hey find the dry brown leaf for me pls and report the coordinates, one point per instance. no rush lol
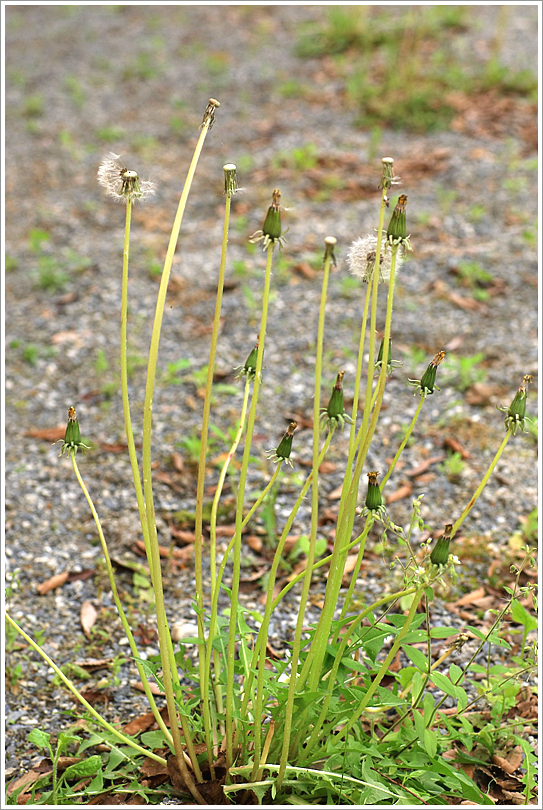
(424, 466)
(164, 551)
(254, 543)
(456, 447)
(154, 687)
(48, 434)
(89, 614)
(468, 598)
(141, 723)
(402, 492)
(52, 583)
(335, 495)
(510, 763)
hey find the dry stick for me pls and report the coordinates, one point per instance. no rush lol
(169, 667)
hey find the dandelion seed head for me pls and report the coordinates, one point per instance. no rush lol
(122, 184)
(361, 259)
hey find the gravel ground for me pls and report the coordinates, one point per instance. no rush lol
(84, 80)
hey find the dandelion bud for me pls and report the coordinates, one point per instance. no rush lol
(282, 453)
(516, 413)
(122, 184)
(391, 364)
(440, 552)
(72, 436)
(334, 413)
(271, 229)
(428, 383)
(397, 228)
(249, 368)
(374, 499)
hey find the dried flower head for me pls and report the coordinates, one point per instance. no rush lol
(329, 245)
(230, 179)
(209, 114)
(123, 184)
(388, 178)
(427, 384)
(361, 259)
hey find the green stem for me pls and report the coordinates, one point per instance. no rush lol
(339, 656)
(356, 390)
(404, 442)
(198, 545)
(118, 604)
(384, 667)
(169, 669)
(482, 485)
(239, 513)
(289, 708)
(122, 737)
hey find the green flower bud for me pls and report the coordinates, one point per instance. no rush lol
(428, 383)
(516, 412)
(397, 228)
(72, 436)
(249, 369)
(440, 552)
(391, 364)
(282, 453)
(334, 413)
(374, 499)
(270, 234)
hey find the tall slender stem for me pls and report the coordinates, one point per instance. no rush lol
(239, 513)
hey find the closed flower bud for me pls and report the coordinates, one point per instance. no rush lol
(72, 436)
(440, 552)
(282, 453)
(397, 228)
(334, 413)
(249, 368)
(516, 412)
(374, 499)
(428, 383)
(270, 234)
(391, 364)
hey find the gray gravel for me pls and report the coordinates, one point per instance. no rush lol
(89, 65)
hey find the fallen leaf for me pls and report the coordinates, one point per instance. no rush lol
(456, 447)
(402, 492)
(424, 466)
(52, 583)
(255, 543)
(48, 434)
(93, 664)
(89, 614)
(175, 553)
(154, 687)
(468, 598)
(510, 763)
(142, 723)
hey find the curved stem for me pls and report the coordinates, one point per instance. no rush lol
(118, 605)
(482, 485)
(122, 737)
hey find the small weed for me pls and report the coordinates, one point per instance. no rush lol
(453, 467)
(31, 354)
(78, 95)
(36, 238)
(33, 107)
(464, 370)
(109, 134)
(10, 263)
(472, 275)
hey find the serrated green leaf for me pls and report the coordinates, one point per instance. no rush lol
(81, 769)
(39, 738)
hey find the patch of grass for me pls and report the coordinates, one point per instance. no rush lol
(398, 65)
(33, 106)
(453, 467)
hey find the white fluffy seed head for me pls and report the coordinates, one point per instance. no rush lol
(361, 258)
